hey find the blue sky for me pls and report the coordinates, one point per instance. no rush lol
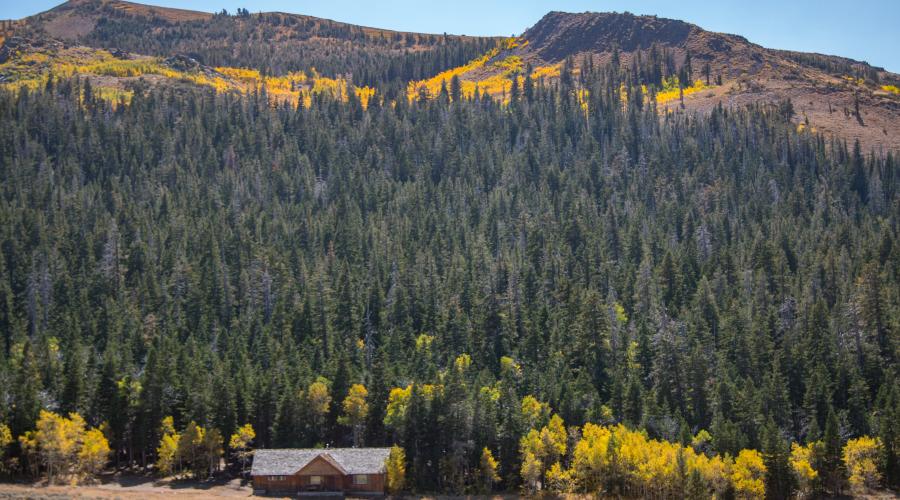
(862, 29)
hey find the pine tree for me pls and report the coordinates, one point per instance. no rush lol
(832, 465)
(776, 457)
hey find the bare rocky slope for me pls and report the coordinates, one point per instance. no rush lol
(826, 90)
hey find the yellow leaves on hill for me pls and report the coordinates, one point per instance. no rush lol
(242, 74)
(509, 64)
(291, 88)
(126, 68)
(364, 94)
(432, 86)
(672, 90)
(893, 89)
(513, 42)
(114, 95)
(506, 70)
(551, 71)
(33, 69)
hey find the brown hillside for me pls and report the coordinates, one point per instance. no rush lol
(272, 42)
(825, 90)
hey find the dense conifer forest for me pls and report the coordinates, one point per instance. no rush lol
(496, 284)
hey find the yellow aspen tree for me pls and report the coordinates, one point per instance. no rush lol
(861, 457)
(398, 402)
(534, 412)
(801, 463)
(189, 446)
(167, 426)
(395, 468)
(590, 457)
(748, 475)
(58, 440)
(167, 453)
(553, 440)
(560, 479)
(240, 444)
(212, 450)
(6, 439)
(531, 471)
(356, 409)
(487, 469)
(94, 452)
(462, 363)
(318, 397)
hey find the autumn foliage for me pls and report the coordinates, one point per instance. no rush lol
(196, 449)
(65, 448)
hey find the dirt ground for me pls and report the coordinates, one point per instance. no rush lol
(129, 487)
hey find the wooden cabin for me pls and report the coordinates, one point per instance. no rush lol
(358, 471)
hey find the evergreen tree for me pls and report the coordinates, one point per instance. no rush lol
(776, 457)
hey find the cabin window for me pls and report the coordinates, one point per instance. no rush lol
(315, 480)
(360, 479)
(276, 478)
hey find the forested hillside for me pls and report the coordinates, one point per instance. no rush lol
(222, 261)
(549, 284)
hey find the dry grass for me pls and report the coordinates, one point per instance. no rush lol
(167, 13)
(130, 487)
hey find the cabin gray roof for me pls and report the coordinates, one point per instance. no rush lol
(285, 462)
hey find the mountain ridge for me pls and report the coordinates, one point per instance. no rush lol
(836, 95)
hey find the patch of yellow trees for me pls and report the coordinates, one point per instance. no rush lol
(63, 447)
(194, 449)
(616, 460)
(32, 70)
